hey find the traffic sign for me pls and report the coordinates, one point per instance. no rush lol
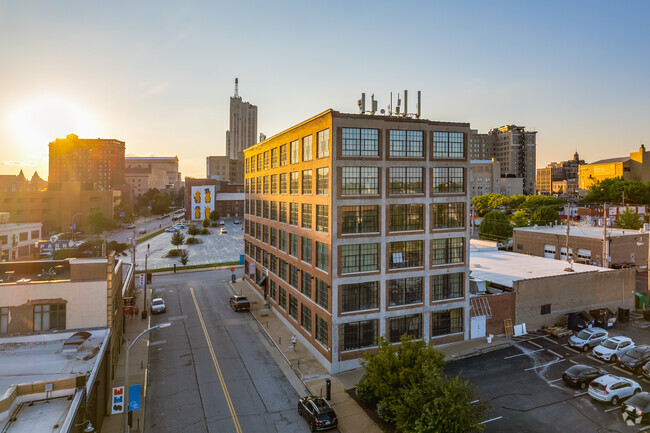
(232, 269)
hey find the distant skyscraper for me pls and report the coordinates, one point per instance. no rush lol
(243, 125)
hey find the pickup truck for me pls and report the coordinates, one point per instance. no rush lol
(238, 302)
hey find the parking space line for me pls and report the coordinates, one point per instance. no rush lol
(580, 394)
(574, 362)
(646, 380)
(612, 409)
(522, 354)
(555, 353)
(571, 348)
(593, 358)
(554, 380)
(544, 365)
(535, 344)
(548, 339)
(474, 402)
(620, 369)
(490, 420)
(645, 428)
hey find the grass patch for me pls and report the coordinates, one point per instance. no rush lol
(183, 268)
(149, 236)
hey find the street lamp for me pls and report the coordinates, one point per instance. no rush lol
(126, 371)
(146, 256)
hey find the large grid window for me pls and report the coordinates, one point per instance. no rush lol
(267, 160)
(322, 293)
(406, 180)
(258, 188)
(282, 269)
(294, 183)
(283, 155)
(359, 180)
(265, 209)
(448, 215)
(273, 290)
(306, 215)
(307, 148)
(405, 217)
(273, 266)
(305, 283)
(274, 157)
(447, 251)
(293, 276)
(322, 218)
(360, 142)
(293, 245)
(283, 183)
(359, 258)
(258, 231)
(405, 291)
(323, 140)
(322, 331)
(405, 254)
(359, 296)
(358, 335)
(295, 151)
(410, 325)
(258, 208)
(447, 322)
(306, 182)
(282, 217)
(448, 179)
(265, 234)
(248, 165)
(274, 237)
(305, 318)
(259, 162)
(293, 307)
(322, 181)
(274, 184)
(447, 286)
(49, 316)
(306, 250)
(408, 144)
(448, 145)
(274, 211)
(282, 298)
(293, 214)
(322, 256)
(282, 240)
(360, 219)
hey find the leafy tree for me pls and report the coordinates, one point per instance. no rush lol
(495, 226)
(513, 202)
(206, 222)
(545, 215)
(193, 230)
(183, 256)
(520, 218)
(629, 219)
(214, 215)
(178, 238)
(97, 223)
(615, 189)
(161, 203)
(533, 202)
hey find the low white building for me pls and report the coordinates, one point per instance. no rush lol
(18, 240)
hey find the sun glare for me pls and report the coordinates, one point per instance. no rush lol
(37, 122)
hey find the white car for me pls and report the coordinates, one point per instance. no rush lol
(158, 306)
(224, 230)
(612, 389)
(588, 338)
(612, 348)
(179, 226)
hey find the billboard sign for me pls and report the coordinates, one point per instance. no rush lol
(202, 201)
(117, 397)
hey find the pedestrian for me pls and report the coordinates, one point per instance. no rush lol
(294, 341)
(137, 311)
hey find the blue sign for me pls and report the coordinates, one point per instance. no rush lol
(241, 259)
(134, 397)
(122, 214)
(74, 226)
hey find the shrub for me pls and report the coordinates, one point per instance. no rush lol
(364, 394)
(204, 231)
(214, 224)
(193, 230)
(206, 222)
(192, 240)
(173, 252)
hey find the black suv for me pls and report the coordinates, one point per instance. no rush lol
(318, 413)
(634, 359)
(580, 375)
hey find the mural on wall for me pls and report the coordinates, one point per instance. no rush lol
(203, 196)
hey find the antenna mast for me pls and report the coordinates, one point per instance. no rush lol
(236, 87)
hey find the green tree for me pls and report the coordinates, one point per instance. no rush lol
(206, 222)
(214, 215)
(193, 230)
(545, 215)
(533, 202)
(520, 218)
(617, 190)
(97, 223)
(178, 238)
(488, 202)
(183, 256)
(495, 227)
(629, 219)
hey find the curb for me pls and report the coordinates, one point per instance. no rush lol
(452, 358)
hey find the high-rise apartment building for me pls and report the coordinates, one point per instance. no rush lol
(513, 147)
(97, 161)
(563, 174)
(143, 173)
(355, 227)
(243, 125)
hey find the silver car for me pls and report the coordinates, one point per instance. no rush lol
(613, 389)
(612, 348)
(588, 338)
(158, 306)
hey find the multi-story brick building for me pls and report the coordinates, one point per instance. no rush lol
(358, 224)
(559, 176)
(143, 173)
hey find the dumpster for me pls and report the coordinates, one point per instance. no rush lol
(579, 321)
(623, 314)
(604, 318)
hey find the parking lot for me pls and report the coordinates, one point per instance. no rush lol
(213, 248)
(523, 385)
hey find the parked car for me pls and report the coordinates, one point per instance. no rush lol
(612, 389)
(588, 338)
(179, 226)
(579, 321)
(171, 229)
(236, 222)
(580, 375)
(612, 348)
(130, 226)
(645, 370)
(160, 217)
(633, 359)
(238, 302)
(142, 231)
(224, 230)
(221, 222)
(604, 318)
(158, 306)
(637, 408)
(318, 413)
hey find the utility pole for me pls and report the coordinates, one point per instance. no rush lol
(568, 224)
(605, 265)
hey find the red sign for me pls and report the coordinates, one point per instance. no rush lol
(128, 310)
(232, 269)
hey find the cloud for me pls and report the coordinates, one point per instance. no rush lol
(18, 163)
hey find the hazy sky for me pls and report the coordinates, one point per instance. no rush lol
(158, 75)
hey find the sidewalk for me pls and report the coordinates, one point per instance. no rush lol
(138, 362)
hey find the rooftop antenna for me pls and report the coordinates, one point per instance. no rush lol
(418, 107)
(399, 102)
(406, 101)
(390, 107)
(373, 104)
(362, 103)
(236, 87)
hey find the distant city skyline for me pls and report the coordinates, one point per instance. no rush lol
(159, 75)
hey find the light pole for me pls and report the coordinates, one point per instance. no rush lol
(144, 309)
(126, 371)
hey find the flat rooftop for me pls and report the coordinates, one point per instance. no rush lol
(503, 267)
(580, 231)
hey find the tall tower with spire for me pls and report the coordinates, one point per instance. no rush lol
(243, 125)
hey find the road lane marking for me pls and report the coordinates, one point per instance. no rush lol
(522, 354)
(555, 353)
(155, 343)
(490, 420)
(545, 365)
(612, 409)
(233, 414)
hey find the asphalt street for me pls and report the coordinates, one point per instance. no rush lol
(212, 370)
